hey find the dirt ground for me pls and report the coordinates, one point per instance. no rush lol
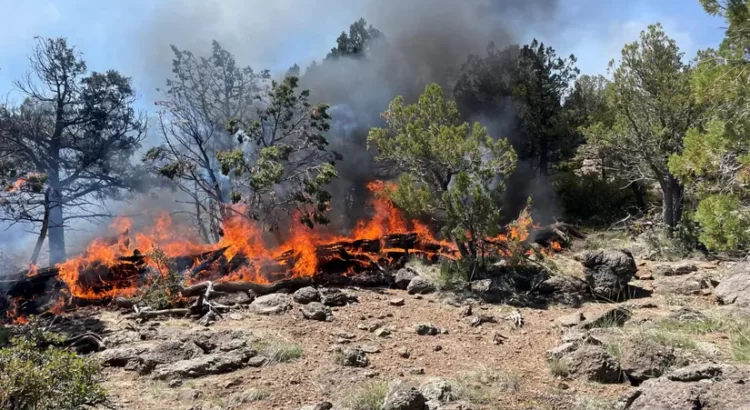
(465, 353)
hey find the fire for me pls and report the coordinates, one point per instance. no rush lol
(110, 267)
(17, 185)
(59, 306)
(14, 316)
(33, 271)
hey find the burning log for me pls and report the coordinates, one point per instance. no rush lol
(259, 289)
(559, 232)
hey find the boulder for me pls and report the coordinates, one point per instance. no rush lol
(420, 286)
(354, 358)
(612, 318)
(401, 396)
(571, 320)
(706, 387)
(326, 405)
(306, 295)
(316, 311)
(275, 303)
(643, 359)
(427, 329)
(678, 269)
(593, 363)
(335, 297)
(735, 287)
(566, 290)
(208, 364)
(403, 277)
(688, 285)
(438, 390)
(608, 272)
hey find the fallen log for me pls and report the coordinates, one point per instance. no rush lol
(150, 314)
(559, 232)
(257, 288)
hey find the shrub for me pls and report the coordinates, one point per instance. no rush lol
(163, 287)
(37, 375)
(589, 199)
(369, 396)
(279, 351)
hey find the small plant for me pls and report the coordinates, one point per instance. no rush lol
(5, 335)
(559, 367)
(594, 403)
(369, 396)
(483, 385)
(670, 339)
(254, 394)
(741, 345)
(279, 351)
(163, 287)
(34, 374)
(614, 349)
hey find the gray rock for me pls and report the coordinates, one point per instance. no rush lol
(612, 318)
(678, 269)
(571, 320)
(438, 390)
(593, 363)
(275, 303)
(335, 297)
(688, 285)
(396, 302)
(370, 348)
(122, 357)
(316, 311)
(217, 363)
(306, 295)
(643, 359)
(735, 287)
(608, 272)
(560, 351)
(404, 352)
(382, 332)
(427, 329)
(354, 358)
(401, 396)
(320, 406)
(256, 361)
(686, 315)
(566, 290)
(403, 277)
(726, 390)
(420, 286)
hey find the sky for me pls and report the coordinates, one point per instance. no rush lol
(121, 34)
(133, 36)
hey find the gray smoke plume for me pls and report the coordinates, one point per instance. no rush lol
(425, 41)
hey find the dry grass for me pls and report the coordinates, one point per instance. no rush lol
(484, 385)
(559, 367)
(278, 350)
(368, 396)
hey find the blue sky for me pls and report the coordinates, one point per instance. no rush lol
(122, 34)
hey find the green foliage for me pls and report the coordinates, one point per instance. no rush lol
(37, 375)
(654, 107)
(162, 290)
(725, 222)
(559, 367)
(593, 201)
(357, 42)
(283, 164)
(452, 171)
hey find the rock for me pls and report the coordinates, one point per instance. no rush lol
(644, 275)
(209, 364)
(735, 287)
(608, 272)
(335, 297)
(256, 361)
(612, 318)
(401, 396)
(320, 406)
(306, 295)
(316, 311)
(354, 358)
(403, 277)
(168, 352)
(643, 359)
(466, 311)
(688, 285)
(427, 329)
(478, 320)
(189, 394)
(560, 351)
(370, 348)
(404, 352)
(566, 290)
(696, 387)
(174, 383)
(420, 286)
(686, 315)
(438, 390)
(382, 332)
(275, 303)
(571, 320)
(122, 357)
(593, 363)
(683, 268)
(396, 302)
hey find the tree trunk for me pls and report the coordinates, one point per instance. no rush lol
(56, 221)
(544, 156)
(43, 231)
(672, 204)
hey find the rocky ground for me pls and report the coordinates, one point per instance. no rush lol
(655, 337)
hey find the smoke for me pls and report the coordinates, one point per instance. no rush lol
(425, 41)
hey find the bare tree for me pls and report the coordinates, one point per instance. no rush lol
(200, 99)
(69, 143)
